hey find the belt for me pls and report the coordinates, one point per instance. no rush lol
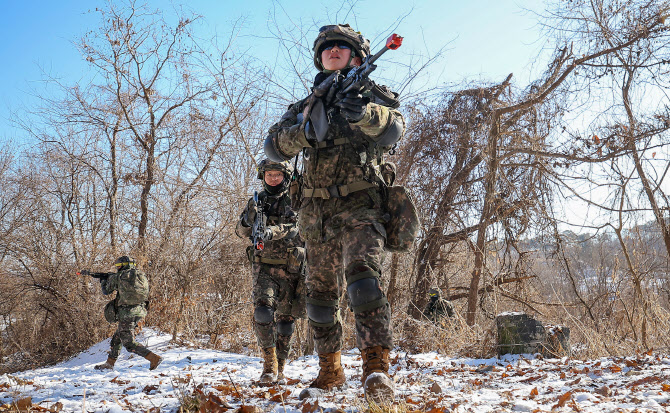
(336, 191)
(330, 143)
(270, 261)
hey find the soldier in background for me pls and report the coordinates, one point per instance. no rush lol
(438, 309)
(277, 267)
(342, 213)
(128, 308)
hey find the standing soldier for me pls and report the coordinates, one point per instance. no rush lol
(342, 213)
(277, 257)
(128, 308)
(438, 309)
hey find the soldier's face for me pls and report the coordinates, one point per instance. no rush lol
(335, 58)
(274, 178)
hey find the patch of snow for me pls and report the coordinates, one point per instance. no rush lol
(512, 383)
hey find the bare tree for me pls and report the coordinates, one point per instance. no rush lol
(490, 152)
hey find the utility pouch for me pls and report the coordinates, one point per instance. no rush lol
(110, 312)
(295, 192)
(387, 170)
(250, 254)
(296, 258)
(403, 226)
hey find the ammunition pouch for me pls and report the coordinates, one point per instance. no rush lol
(403, 225)
(296, 258)
(110, 312)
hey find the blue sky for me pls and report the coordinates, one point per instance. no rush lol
(485, 39)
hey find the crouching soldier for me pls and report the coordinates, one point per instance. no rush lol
(128, 308)
(438, 309)
(276, 256)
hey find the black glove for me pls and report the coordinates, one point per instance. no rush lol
(352, 106)
(85, 272)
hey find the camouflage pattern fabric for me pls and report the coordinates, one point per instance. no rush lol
(403, 226)
(282, 291)
(128, 317)
(438, 310)
(131, 284)
(281, 219)
(326, 279)
(125, 335)
(274, 285)
(346, 230)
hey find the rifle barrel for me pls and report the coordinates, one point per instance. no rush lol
(392, 43)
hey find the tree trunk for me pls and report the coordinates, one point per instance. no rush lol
(480, 247)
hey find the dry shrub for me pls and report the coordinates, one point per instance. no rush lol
(453, 337)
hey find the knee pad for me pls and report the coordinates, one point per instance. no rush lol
(364, 291)
(285, 328)
(264, 314)
(321, 313)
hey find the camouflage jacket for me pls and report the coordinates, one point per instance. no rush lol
(439, 308)
(346, 159)
(281, 220)
(110, 285)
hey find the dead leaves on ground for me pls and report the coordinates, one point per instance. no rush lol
(26, 405)
(438, 387)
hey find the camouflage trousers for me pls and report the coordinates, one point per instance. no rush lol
(278, 295)
(338, 260)
(125, 335)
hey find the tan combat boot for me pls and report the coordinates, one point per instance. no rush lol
(331, 376)
(269, 374)
(108, 365)
(331, 373)
(280, 369)
(377, 384)
(154, 360)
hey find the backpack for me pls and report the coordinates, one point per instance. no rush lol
(133, 288)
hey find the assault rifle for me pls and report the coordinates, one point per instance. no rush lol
(258, 233)
(99, 275)
(328, 92)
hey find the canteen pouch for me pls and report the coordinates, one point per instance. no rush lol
(296, 258)
(110, 312)
(403, 225)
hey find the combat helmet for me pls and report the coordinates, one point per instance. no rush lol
(268, 165)
(124, 262)
(434, 292)
(344, 32)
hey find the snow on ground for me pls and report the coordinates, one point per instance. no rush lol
(424, 383)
